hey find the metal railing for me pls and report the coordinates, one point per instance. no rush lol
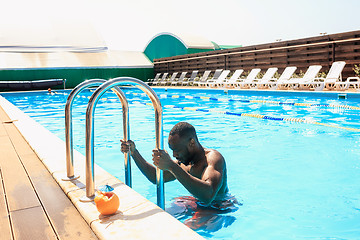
(90, 185)
(69, 133)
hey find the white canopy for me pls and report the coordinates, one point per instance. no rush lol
(115, 59)
(49, 35)
(55, 44)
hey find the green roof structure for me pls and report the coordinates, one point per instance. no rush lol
(169, 45)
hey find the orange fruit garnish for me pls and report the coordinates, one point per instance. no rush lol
(107, 202)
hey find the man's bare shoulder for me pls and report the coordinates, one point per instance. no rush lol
(214, 157)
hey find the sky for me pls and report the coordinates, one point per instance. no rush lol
(131, 24)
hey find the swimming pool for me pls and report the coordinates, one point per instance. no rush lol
(296, 180)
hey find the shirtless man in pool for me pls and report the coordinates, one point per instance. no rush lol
(201, 171)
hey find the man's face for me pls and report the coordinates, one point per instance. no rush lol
(180, 149)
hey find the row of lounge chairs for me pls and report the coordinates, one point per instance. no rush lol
(310, 81)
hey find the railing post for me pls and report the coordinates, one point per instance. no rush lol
(68, 125)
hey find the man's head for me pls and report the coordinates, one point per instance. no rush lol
(183, 141)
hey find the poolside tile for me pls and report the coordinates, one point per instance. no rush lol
(135, 218)
(87, 209)
(51, 152)
(141, 221)
(129, 200)
(101, 178)
(68, 186)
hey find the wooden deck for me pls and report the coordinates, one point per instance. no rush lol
(32, 205)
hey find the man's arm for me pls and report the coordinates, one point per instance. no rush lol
(145, 167)
(206, 188)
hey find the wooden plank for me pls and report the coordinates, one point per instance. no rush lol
(245, 58)
(350, 63)
(31, 223)
(5, 227)
(3, 118)
(346, 55)
(20, 145)
(263, 57)
(346, 35)
(348, 48)
(319, 51)
(263, 62)
(2, 129)
(19, 191)
(308, 58)
(3, 115)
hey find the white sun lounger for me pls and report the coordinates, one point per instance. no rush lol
(351, 82)
(203, 78)
(262, 83)
(189, 81)
(152, 80)
(219, 81)
(164, 76)
(234, 78)
(310, 75)
(334, 75)
(249, 79)
(166, 82)
(283, 79)
(179, 80)
(217, 74)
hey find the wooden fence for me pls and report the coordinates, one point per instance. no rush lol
(321, 50)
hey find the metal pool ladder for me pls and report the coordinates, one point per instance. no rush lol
(90, 185)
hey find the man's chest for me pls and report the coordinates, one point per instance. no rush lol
(196, 171)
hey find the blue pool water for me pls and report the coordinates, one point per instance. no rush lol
(295, 180)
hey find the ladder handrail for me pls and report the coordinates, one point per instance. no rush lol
(68, 126)
(90, 185)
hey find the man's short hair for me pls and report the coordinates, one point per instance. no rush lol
(184, 129)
